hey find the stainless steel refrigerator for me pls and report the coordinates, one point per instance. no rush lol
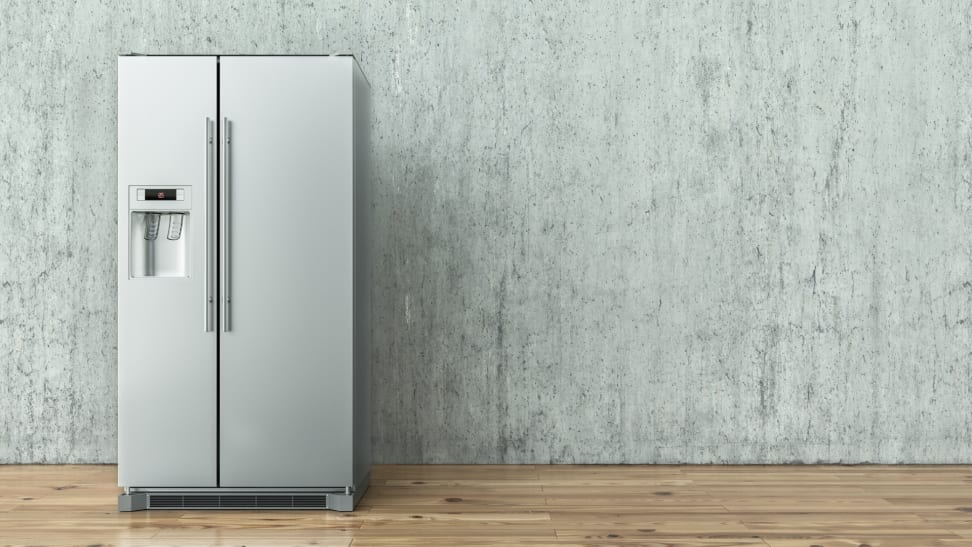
(243, 282)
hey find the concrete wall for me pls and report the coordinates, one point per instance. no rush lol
(610, 232)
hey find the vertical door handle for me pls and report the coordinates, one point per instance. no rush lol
(209, 219)
(226, 225)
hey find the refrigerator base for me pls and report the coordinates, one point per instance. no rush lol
(141, 499)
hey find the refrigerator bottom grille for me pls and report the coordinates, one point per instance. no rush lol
(237, 501)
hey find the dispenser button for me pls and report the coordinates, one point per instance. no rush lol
(175, 226)
(180, 194)
(152, 226)
(140, 194)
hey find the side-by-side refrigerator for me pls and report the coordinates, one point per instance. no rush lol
(243, 282)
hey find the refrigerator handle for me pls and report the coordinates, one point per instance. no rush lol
(225, 240)
(209, 219)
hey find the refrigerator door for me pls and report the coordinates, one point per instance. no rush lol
(286, 355)
(166, 326)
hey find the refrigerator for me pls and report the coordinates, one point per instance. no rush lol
(243, 282)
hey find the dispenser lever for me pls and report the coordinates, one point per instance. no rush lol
(175, 226)
(152, 226)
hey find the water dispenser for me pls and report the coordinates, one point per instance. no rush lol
(158, 235)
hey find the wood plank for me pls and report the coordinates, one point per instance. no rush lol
(669, 526)
(927, 541)
(538, 482)
(466, 541)
(883, 527)
(577, 509)
(624, 491)
(431, 529)
(419, 472)
(620, 472)
(599, 499)
(382, 492)
(645, 537)
(455, 517)
(456, 502)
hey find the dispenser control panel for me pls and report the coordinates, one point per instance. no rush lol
(160, 198)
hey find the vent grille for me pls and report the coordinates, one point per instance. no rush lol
(310, 502)
(237, 501)
(204, 502)
(275, 501)
(233, 501)
(162, 502)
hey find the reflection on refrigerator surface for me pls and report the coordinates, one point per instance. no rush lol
(154, 256)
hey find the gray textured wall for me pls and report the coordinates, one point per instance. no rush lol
(610, 232)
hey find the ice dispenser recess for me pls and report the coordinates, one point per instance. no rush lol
(158, 235)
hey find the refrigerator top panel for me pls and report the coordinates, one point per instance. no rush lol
(133, 54)
(346, 54)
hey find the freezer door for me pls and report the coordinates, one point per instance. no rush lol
(286, 356)
(166, 326)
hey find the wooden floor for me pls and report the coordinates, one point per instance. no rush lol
(827, 506)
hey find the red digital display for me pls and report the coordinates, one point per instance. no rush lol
(160, 194)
